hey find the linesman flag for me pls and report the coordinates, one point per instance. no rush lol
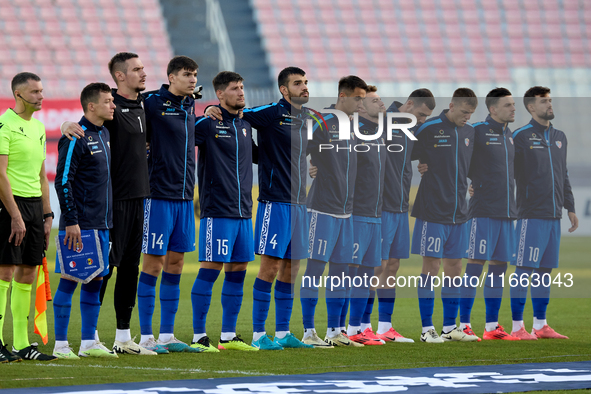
(42, 295)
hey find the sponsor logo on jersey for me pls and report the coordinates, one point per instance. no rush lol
(125, 110)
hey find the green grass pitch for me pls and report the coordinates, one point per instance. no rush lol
(569, 316)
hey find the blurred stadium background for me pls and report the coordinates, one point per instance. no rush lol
(398, 45)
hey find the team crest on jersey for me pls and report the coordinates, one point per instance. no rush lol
(467, 141)
(559, 144)
(244, 132)
(511, 140)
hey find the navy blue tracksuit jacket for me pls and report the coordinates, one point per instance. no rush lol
(171, 133)
(543, 187)
(83, 179)
(447, 150)
(225, 166)
(492, 172)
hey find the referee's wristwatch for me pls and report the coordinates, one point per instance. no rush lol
(48, 215)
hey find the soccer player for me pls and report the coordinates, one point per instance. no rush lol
(169, 221)
(225, 198)
(543, 189)
(445, 144)
(129, 175)
(395, 227)
(492, 210)
(25, 211)
(281, 231)
(83, 185)
(330, 207)
(367, 216)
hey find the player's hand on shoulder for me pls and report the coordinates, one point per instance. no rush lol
(471, 190)
(574, 221)
(313, 171)
(214, 112)
(72, 130)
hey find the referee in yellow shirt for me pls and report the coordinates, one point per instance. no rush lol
(25, 211)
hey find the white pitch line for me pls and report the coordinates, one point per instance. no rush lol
(157, 369)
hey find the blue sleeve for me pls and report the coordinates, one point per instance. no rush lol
(260, 117)
(69, 155)
(201, 127)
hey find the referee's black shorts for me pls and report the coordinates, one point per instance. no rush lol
(126, 234)
(30, 251)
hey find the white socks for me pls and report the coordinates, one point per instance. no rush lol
(365, 326)
(384, 327)
(308, 332)
(257, 335)
(463, 325)
(146, 338)
(281, 334)
(122, 335)
(332, 332)
(165, 337)
(517, 324)
(491, 326)
(86, 343)
(227, 336)
(425, 329)
(353, 330)
(59, 344)
(197, 337)
(447, 329)
(539, 323)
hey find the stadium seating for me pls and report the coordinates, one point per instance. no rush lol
(69, 42)
(425, 40)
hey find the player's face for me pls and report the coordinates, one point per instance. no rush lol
(505, 109)
(373, 105)
(105, 107)
(543, 107)
(184, 81)
(233, 96)
(461, 113)
(353, 101)
(297, 89)
(421, 113)
(32, 92)
(135, 79)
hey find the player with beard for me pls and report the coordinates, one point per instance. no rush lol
(226, 152)
(281, 231)
(129, 174)
(543, 189)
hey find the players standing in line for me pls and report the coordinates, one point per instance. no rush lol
(83, 185)
(445, 144)
(169, 220)
(395, 227)
(543, 189)
(330, 207)
(25, 211)
(226, 152)
(492, 211)
(367, 215)
(281, 231)
(129, 174)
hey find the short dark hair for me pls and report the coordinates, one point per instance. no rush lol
(283, 77)
(179, 63)
(22, 78)
(465, 95)
(423, 96)
(350, 83)
(117, 63)
(492, 98)
(371, 89)
(92, 92)
(530, 96)
(223, 79)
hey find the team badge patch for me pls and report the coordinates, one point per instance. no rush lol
(467, 141)
(511, 140)
(559, 144)
(244, 132)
